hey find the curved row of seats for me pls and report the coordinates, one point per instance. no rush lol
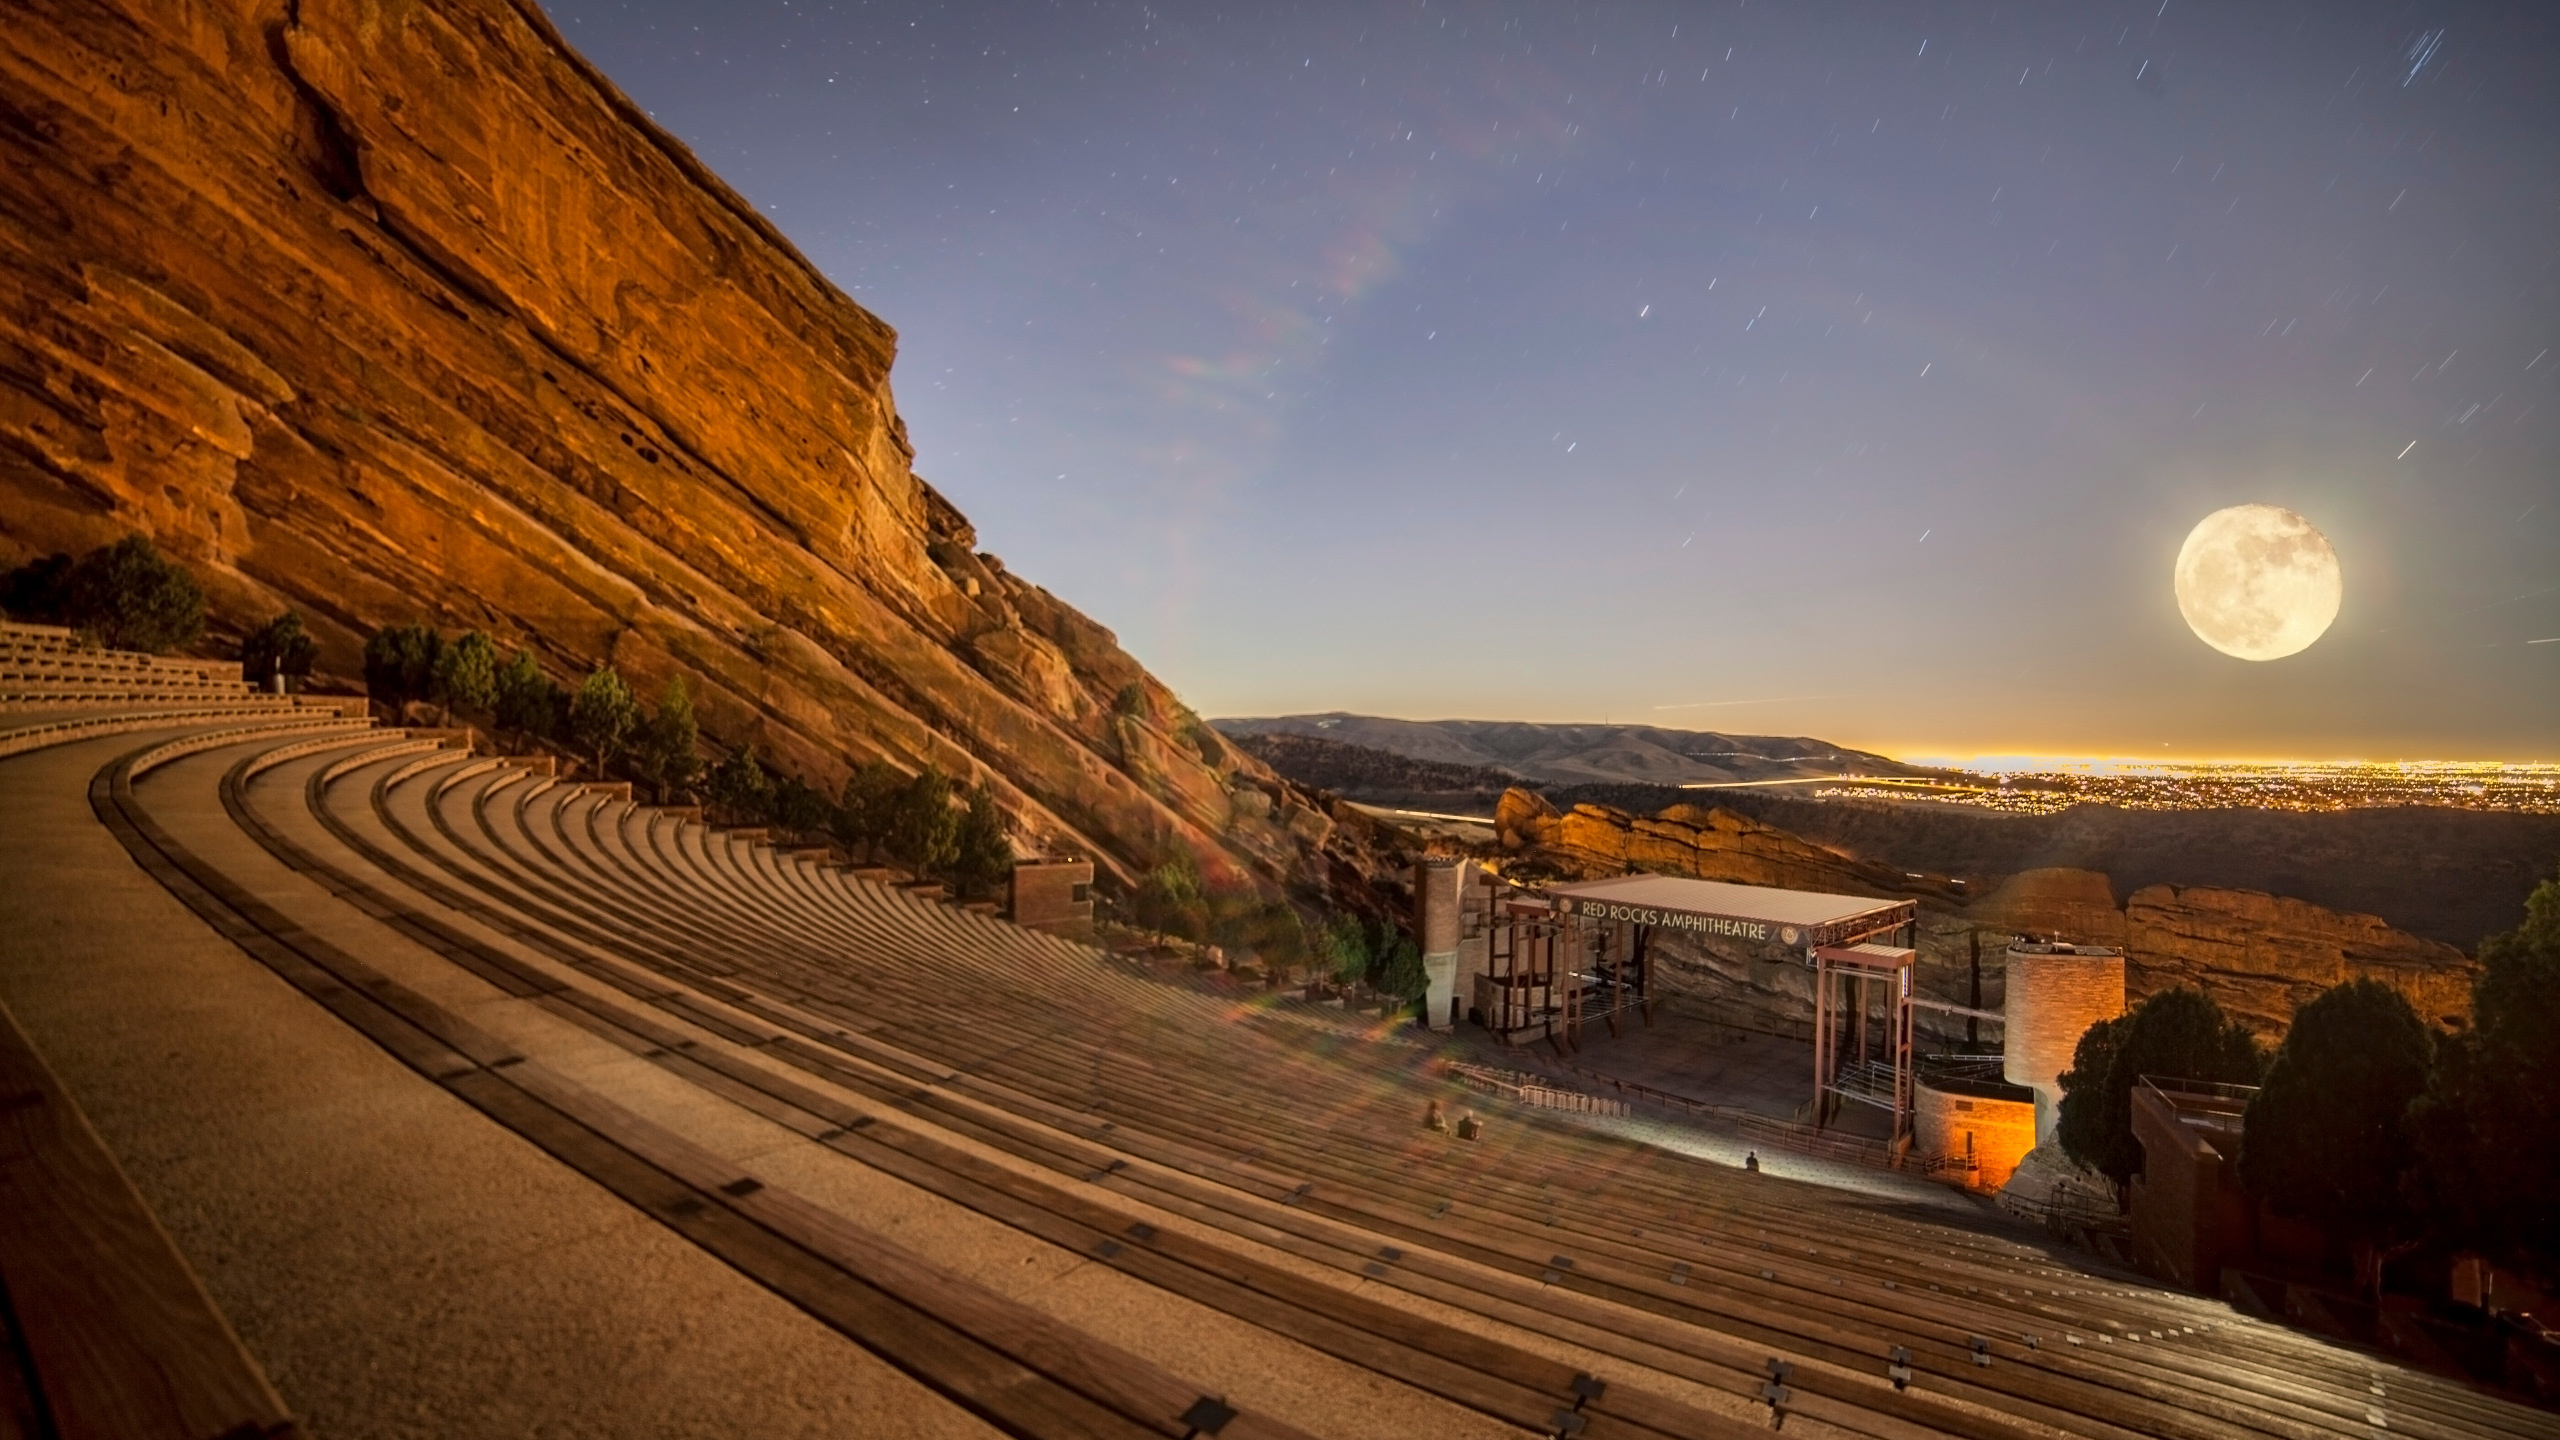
(44, 666)
(1107, 1079)
(1259, 1167)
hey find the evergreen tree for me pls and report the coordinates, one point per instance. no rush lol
(2179, 1034)
(527, 702)
(867, 806)
(740, 787)
(279, 647)
(2079, 1121)
(2488, 1125)
(923, 832)
(2327, 1137)
(127, 596)
(602, 714)
(982, 851)
(465, 674)
(1342, 949)
(669, 740)
(800, 808)
(400, 664)
(1400, 971)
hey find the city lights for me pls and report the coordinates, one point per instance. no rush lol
(2044, 785)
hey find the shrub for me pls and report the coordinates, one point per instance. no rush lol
(2180, 1033)
(2327, 1137)
(279, 647)
(465, 674)
(982, 851)
(400, 664)
(126, 596)
(601, 715)
(1280, 938)
(1169, 900)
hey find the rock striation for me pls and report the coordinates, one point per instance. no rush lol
(1707, 842)
(390, 311)
(2265, 956)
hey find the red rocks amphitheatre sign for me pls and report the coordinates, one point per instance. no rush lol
(1794, 918)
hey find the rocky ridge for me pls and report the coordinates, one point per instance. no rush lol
(390, 312)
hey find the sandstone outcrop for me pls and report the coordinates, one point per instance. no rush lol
(2264, 956)
(391, 311)
(1707, 842)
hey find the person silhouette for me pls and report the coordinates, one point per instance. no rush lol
(1433, 1119)
(1751, 1161)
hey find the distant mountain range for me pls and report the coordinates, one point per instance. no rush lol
(1583, 754)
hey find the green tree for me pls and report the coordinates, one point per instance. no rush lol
(867, 805)
(1170, 900)
(982, 850)
(740, 787)
(128, 596)
(279, 647)
(2327, 1137)
(2488, 1124)
(465, 674)
(924, 833)
(1400, 971)
(801, 808)
(602, 714)
(2180, 1034)
(400, 664)
(2079, 1121)
(1342, 949)
(527, 702)
(669, 740)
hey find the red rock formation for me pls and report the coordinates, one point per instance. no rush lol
(2263, 956)
(2055, 904)
(1708, 842)
(388, 311)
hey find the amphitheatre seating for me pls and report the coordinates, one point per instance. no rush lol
(1251, 1168)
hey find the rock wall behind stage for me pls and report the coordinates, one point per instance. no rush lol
(390, 311)
(2261, 956)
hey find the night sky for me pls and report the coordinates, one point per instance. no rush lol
(1852, 370)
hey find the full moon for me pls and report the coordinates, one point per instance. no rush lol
(2258, 582)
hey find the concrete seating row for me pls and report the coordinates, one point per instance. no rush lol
(999, 1360)
(773, 889)
(1255, 1165)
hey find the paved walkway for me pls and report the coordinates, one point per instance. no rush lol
(401, 1266)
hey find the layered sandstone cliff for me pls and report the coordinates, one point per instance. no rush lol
(391, 311)
(2262, 956)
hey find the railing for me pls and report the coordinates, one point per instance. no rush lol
(2065, 1213)
(1531, 1090)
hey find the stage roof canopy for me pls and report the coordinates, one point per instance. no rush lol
(1745, 912)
